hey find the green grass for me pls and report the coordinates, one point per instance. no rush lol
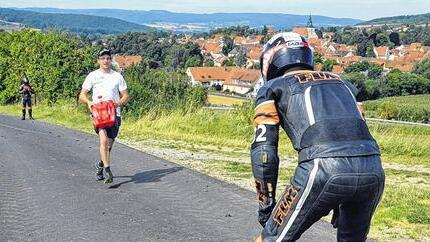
(415, 108)
(404, 211)
(226, 101)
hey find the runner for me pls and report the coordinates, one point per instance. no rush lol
(105, 84)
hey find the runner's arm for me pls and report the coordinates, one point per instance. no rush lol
(83, 98)
(124, 98)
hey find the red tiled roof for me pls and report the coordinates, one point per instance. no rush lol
(300, 30)
(218, 37)
(254, 52)
(315, 42)
(337, 69)
(251, 40)
(212, 47)
(230, 75)
(381, 51)
(238, 40)
(403, 66)
(380, 62)
(125, 61)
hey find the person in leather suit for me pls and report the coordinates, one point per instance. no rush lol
(26, 89)
(339, 166)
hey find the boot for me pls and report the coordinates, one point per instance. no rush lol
(23, 114)
(30, 113)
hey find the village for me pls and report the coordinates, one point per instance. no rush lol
(244, 81)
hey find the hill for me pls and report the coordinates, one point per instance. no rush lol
(405, 19)
(72, 22)
(192, 22)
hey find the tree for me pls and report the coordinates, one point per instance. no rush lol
(328, 65)
(228, 62)
(240, 59)
(160, 91)
(372, 89)
(399, 83)
(228, 45)
(395, 38)
(318, 58)
(369, 51)
(193, 61)
(381, 40)
(56, 64)
(423, 68)
(362, 49)
(374, 70)
(265, 30)
(209, 63)
(358, 80)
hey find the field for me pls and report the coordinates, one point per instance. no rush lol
(218, 100)
(217, 143)
(406, 108)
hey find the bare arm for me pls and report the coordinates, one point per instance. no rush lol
(124, 98)
(83, 98)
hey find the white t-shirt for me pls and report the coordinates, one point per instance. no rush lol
(105, 86)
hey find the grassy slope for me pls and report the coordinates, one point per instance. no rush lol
(415, 108)
(226, 101)
(404, 212)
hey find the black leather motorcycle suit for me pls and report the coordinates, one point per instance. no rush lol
(339, 161)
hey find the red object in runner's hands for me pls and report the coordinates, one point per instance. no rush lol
(104, 114)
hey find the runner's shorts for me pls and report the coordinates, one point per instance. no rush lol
(112, 132)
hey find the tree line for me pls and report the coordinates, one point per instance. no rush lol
(372, 83)
(366, 39)
(57, 64)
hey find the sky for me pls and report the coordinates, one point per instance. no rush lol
(364, 9)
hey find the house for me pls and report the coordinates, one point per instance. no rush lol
(242, 80)
(338, 69)
(403, 66)
(122, 62)
(235, 79)
(253, 53)
(306, 32)
(208, 76)
(211, 48)
(251, 40)
(381, 52)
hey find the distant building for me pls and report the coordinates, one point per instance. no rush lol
(381, 52)
(308, 31)
(122, 62)
(235, 79)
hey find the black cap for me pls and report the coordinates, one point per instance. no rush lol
(104, 52)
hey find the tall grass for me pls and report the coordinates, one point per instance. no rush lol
(414, 108)
(232, 130)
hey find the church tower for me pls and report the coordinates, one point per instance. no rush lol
(310, 24)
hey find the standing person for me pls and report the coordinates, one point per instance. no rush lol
(339, 161)
(26, 89)
(105, 84)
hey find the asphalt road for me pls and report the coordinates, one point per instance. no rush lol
(48, 193)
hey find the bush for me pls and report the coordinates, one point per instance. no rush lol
(388, 110)
(160, 91)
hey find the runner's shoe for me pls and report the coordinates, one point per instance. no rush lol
(109, 177)
(99, 173)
